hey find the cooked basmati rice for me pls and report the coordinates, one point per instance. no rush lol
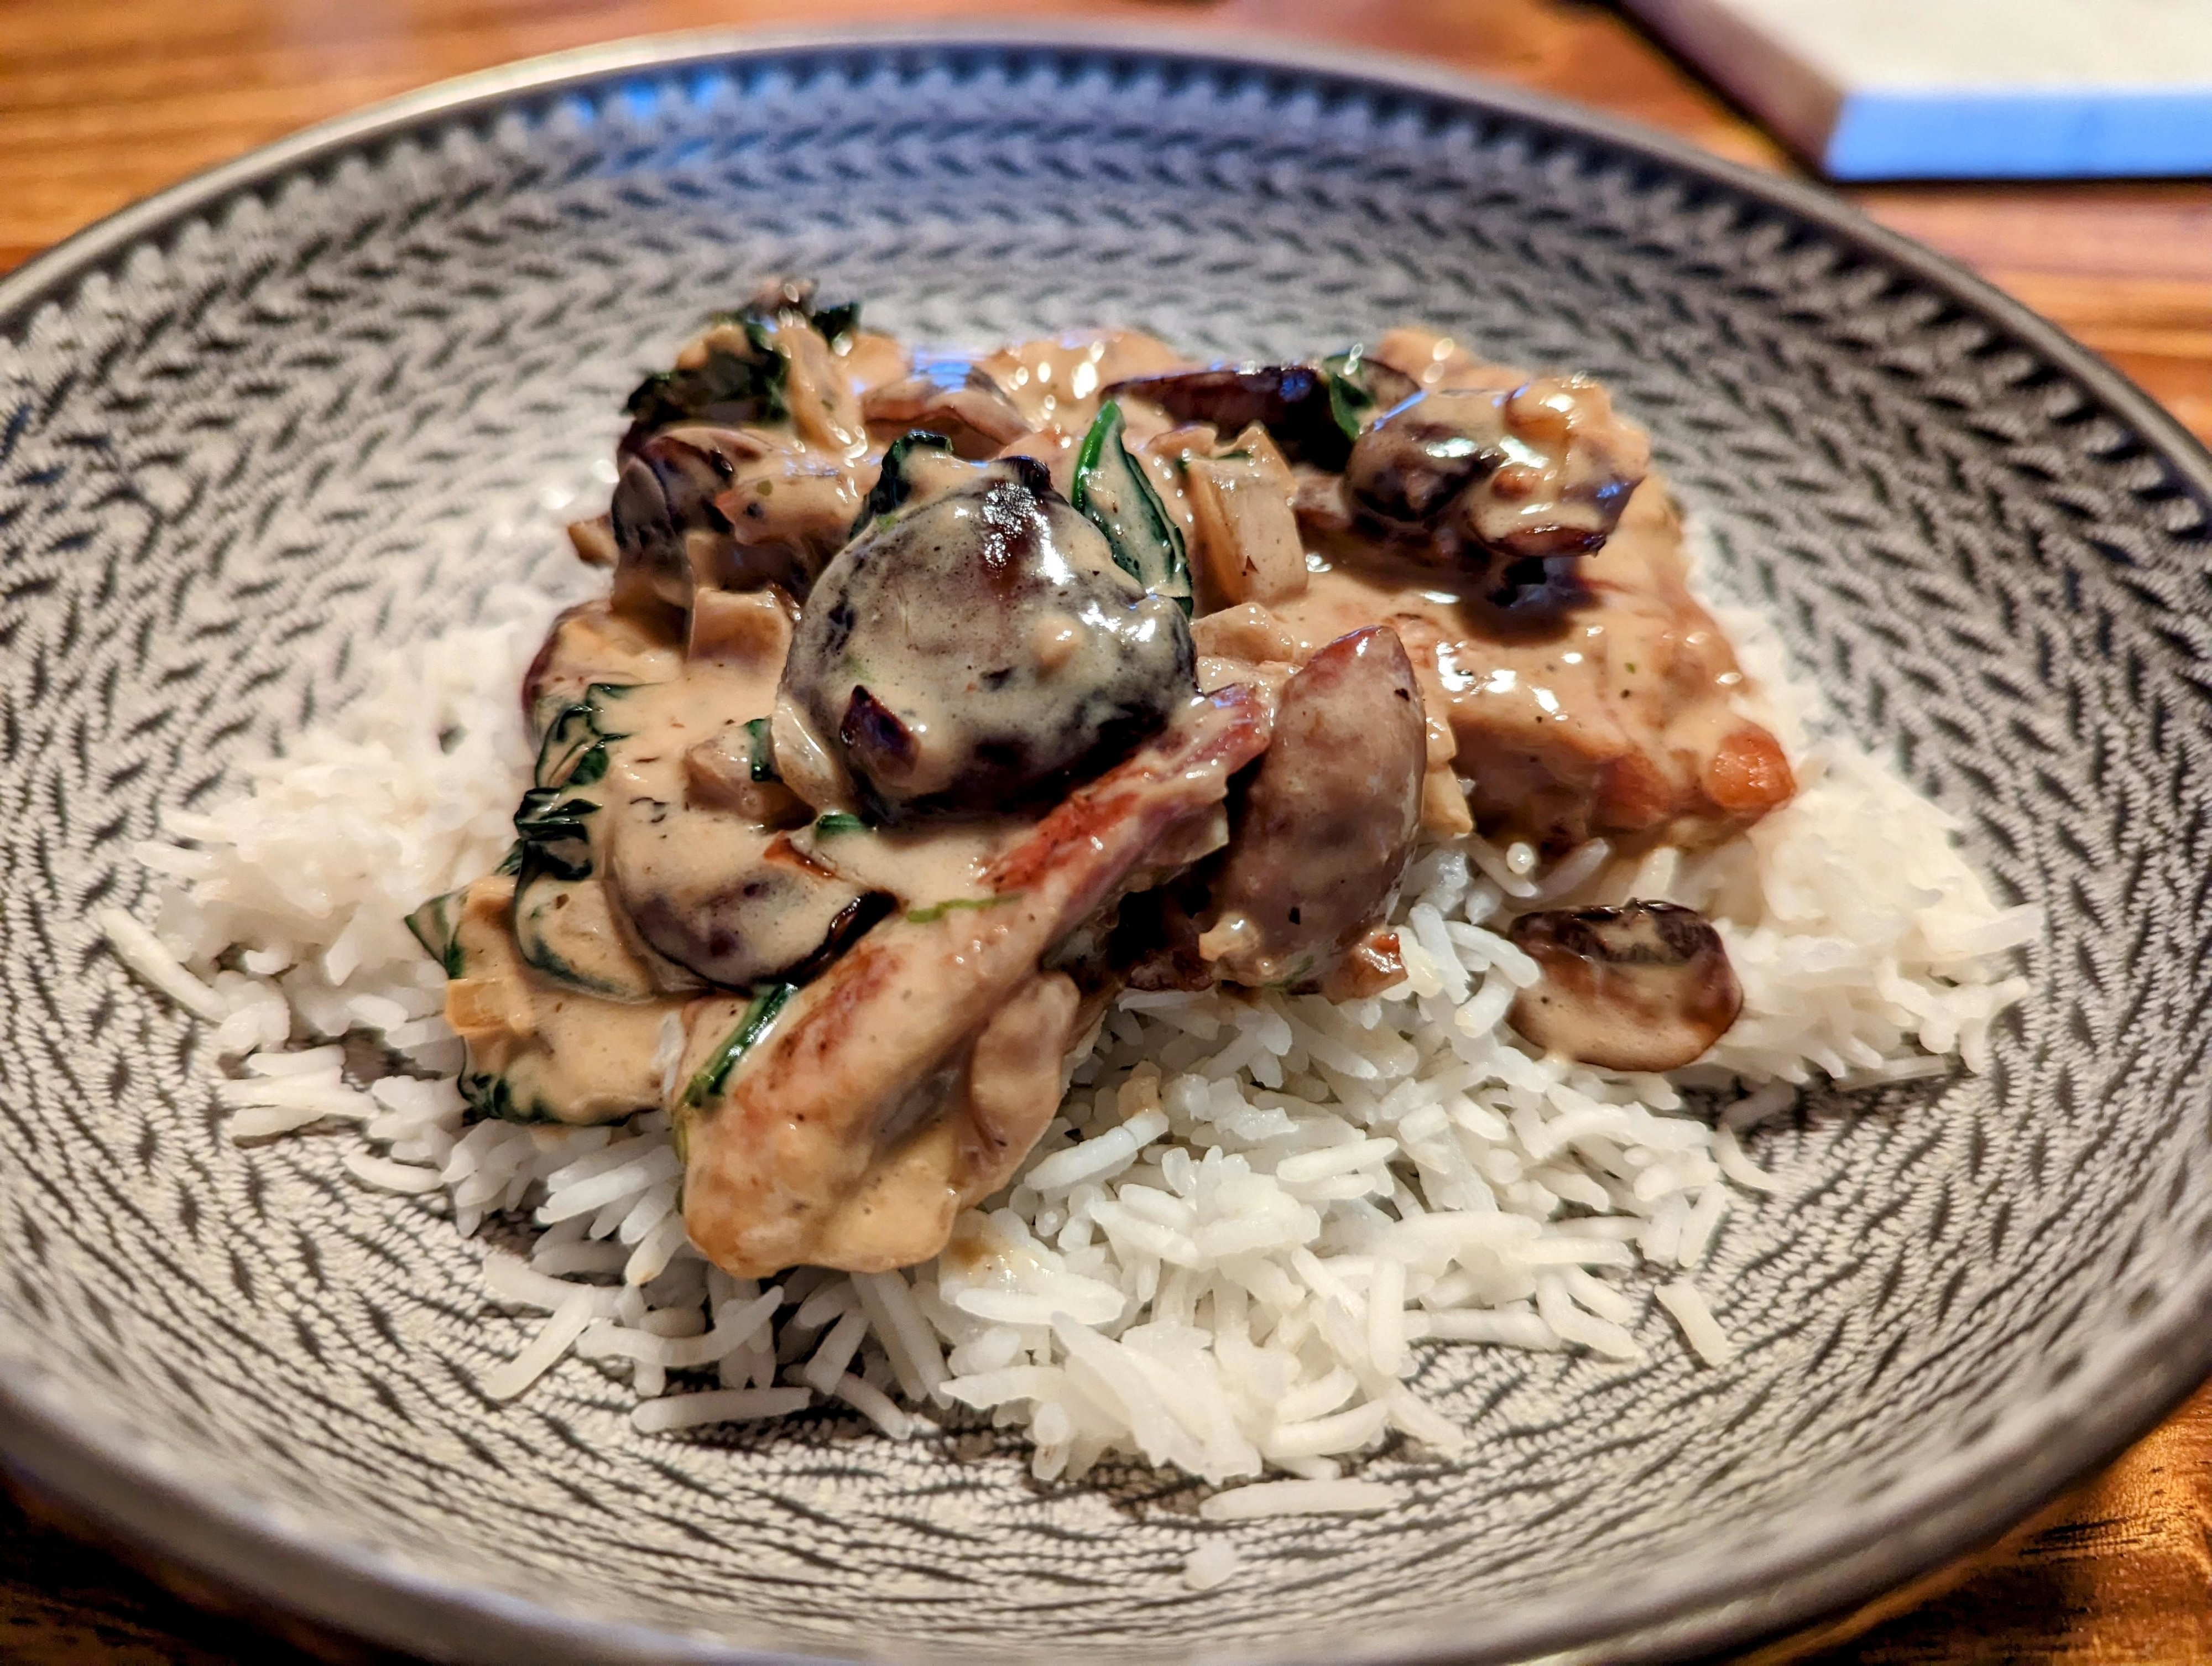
(1250, 1218)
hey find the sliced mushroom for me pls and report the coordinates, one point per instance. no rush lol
(1249, 549)
(1646, 986)
(1543, 470)
(1312, 410)
(727, 898)
(670, 536)
(973, 649)
(824, 408)
(1328, 822)
(1290, 401)
(1407, 469)
(594, 541)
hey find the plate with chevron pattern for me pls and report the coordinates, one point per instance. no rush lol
(317, 402)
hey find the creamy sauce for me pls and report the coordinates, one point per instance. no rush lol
(1055, 382)
(921, 866)
(727, 898)
(555, 1054)
(842, 819)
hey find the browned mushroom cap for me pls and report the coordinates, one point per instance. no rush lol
(1290, 401)
(733, 902)
(665, 494)
(1543, 470)
(1419, 457)
(1645, 987)
(974, 647)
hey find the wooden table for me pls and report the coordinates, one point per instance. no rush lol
(103, 102)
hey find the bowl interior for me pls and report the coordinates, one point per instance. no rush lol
(329, 413)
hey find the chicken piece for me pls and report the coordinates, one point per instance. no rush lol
(732, 769)
(871, 359)
(994, 1109)
(747, 628)
(1327, 826)
(1058, 382)
(1430, 361)
(838, 1140)
(1620, 718)
(1246, 644)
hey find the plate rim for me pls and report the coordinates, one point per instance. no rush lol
(133, 1490)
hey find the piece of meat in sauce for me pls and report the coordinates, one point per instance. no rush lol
(909, 1081)
(1616, 717)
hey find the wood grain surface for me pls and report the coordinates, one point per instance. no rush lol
(102, 102)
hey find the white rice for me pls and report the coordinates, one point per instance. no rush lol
(1251, 1218)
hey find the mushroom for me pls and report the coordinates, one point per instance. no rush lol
(727, 900)
(974, 649)
(1249, 549)
(769, 364)
(1536, 471)
(1312, 410)
(1408, 468)
(1646, 986)
(1322, 835)
(670, 536)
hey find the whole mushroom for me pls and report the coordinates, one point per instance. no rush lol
(974, 649)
